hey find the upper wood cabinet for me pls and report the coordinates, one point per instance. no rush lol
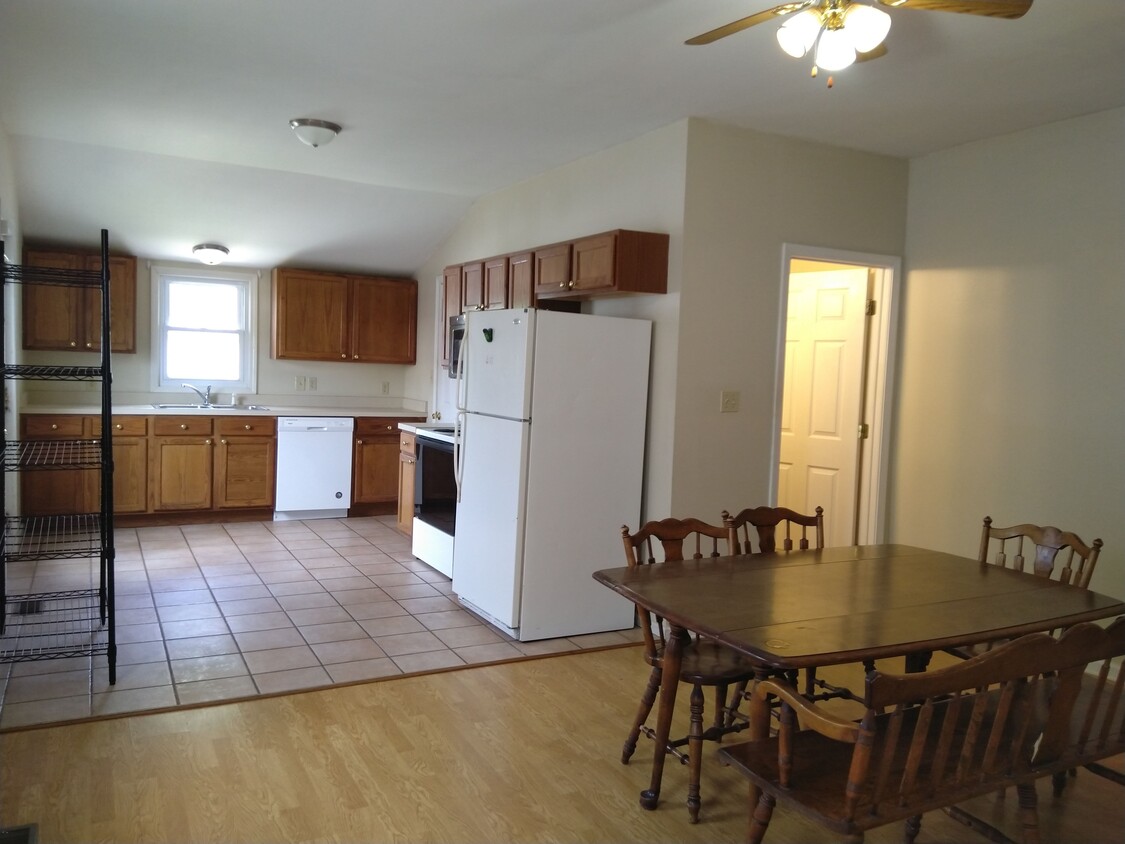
(472, 286)
(337, 317)
(552, 269)
(452, 287)
(521, 280)
(59, 318)
(619, 261)
(495, 283)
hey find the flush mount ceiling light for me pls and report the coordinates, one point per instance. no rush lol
(841, 32)
(210, 253)
(314, 132)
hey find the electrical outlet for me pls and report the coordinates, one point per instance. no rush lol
(728, 401)
(312, 383)
(386, 388)
(299, 383)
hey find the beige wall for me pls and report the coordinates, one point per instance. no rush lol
(729, 198)
(1012, 367)
(747, 195)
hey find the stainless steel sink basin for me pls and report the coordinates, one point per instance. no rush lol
(179, 407)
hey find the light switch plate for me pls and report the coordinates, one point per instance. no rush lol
(728, 401)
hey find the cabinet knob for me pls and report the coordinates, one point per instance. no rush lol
(118, 426)
(355, 357)
(246, 427)
(570, 285)
(89, 345)
(343, 357)
(562, 285)
(390, 427)
(54, 427)
(73, 344)
(207, 442)
(183, 427)
(224, 442)
(359, 442)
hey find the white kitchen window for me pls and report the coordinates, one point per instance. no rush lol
(203, 329)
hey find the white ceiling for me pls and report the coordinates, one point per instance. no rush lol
(167, 121)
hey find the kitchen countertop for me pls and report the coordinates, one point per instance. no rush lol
(220, 410)
(433, 430)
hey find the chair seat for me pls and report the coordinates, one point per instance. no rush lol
(708, 663)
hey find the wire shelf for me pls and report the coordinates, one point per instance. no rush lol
(29, 455)
(21, 274)
(54, 625)
(52, 537)
(37, 372)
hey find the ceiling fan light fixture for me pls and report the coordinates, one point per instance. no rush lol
(315, 133)
(834, 51)
(210, 253)
(798, 34)
(867, 26)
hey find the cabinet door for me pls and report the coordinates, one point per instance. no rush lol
(521, 281)
(472, 286)
(245, 471)
(592, 261)
(53, 316)
(552, 269)
(182, 474)
(496, 283)
(452, 285)
(310, 315)
(384, 320)
(406, 463)
(130, 474)
(122, 305)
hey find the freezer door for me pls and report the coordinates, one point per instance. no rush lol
(498, 362)
(488, 546)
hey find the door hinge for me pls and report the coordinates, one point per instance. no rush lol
(864, 430)
(870, 309)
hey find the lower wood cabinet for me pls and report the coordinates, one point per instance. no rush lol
(245, 461)
(181, 472)
(407, 458)
(375, 474)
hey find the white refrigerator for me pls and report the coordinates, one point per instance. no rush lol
(550, 462)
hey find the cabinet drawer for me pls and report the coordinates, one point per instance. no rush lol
(46, 427)
(372, 426)
(406, 443)
(123, 426)
(245, 426)
(178, 426)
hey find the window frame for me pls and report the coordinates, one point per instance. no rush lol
(162, 277)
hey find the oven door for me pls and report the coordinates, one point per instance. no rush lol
(435, 490)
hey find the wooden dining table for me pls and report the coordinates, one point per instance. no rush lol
(807, 609)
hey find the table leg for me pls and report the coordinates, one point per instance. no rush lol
(918, 661)
(669, 684)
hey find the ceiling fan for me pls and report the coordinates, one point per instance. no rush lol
(840, 32)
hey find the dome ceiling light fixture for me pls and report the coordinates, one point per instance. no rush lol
(210, 253)
(839, 33)
(315, 133)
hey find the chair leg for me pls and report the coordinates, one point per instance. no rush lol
(1029, 816)
(643, 710)
(760, 817)
(735, 701)
(695, 753)
(720, 711)
(913, 827)
(1058, 782)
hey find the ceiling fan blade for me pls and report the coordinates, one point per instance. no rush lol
(731, 28)
(1008, 9)
(874, 53)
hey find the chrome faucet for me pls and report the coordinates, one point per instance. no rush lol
(204, 394)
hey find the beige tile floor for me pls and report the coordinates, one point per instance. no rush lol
(221, 611)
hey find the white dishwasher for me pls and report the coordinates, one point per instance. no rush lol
(314, 467)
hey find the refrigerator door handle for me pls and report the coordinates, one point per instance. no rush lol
(458, 452)
(462, 361)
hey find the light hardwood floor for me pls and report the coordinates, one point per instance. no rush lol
(515, 752)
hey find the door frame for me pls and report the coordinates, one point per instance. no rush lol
(879, 377)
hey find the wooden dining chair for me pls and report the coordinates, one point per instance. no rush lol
(754, 530)
(930, 740)
(1044, 547)
(705, 663)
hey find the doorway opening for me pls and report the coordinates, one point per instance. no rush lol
(835, 376)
